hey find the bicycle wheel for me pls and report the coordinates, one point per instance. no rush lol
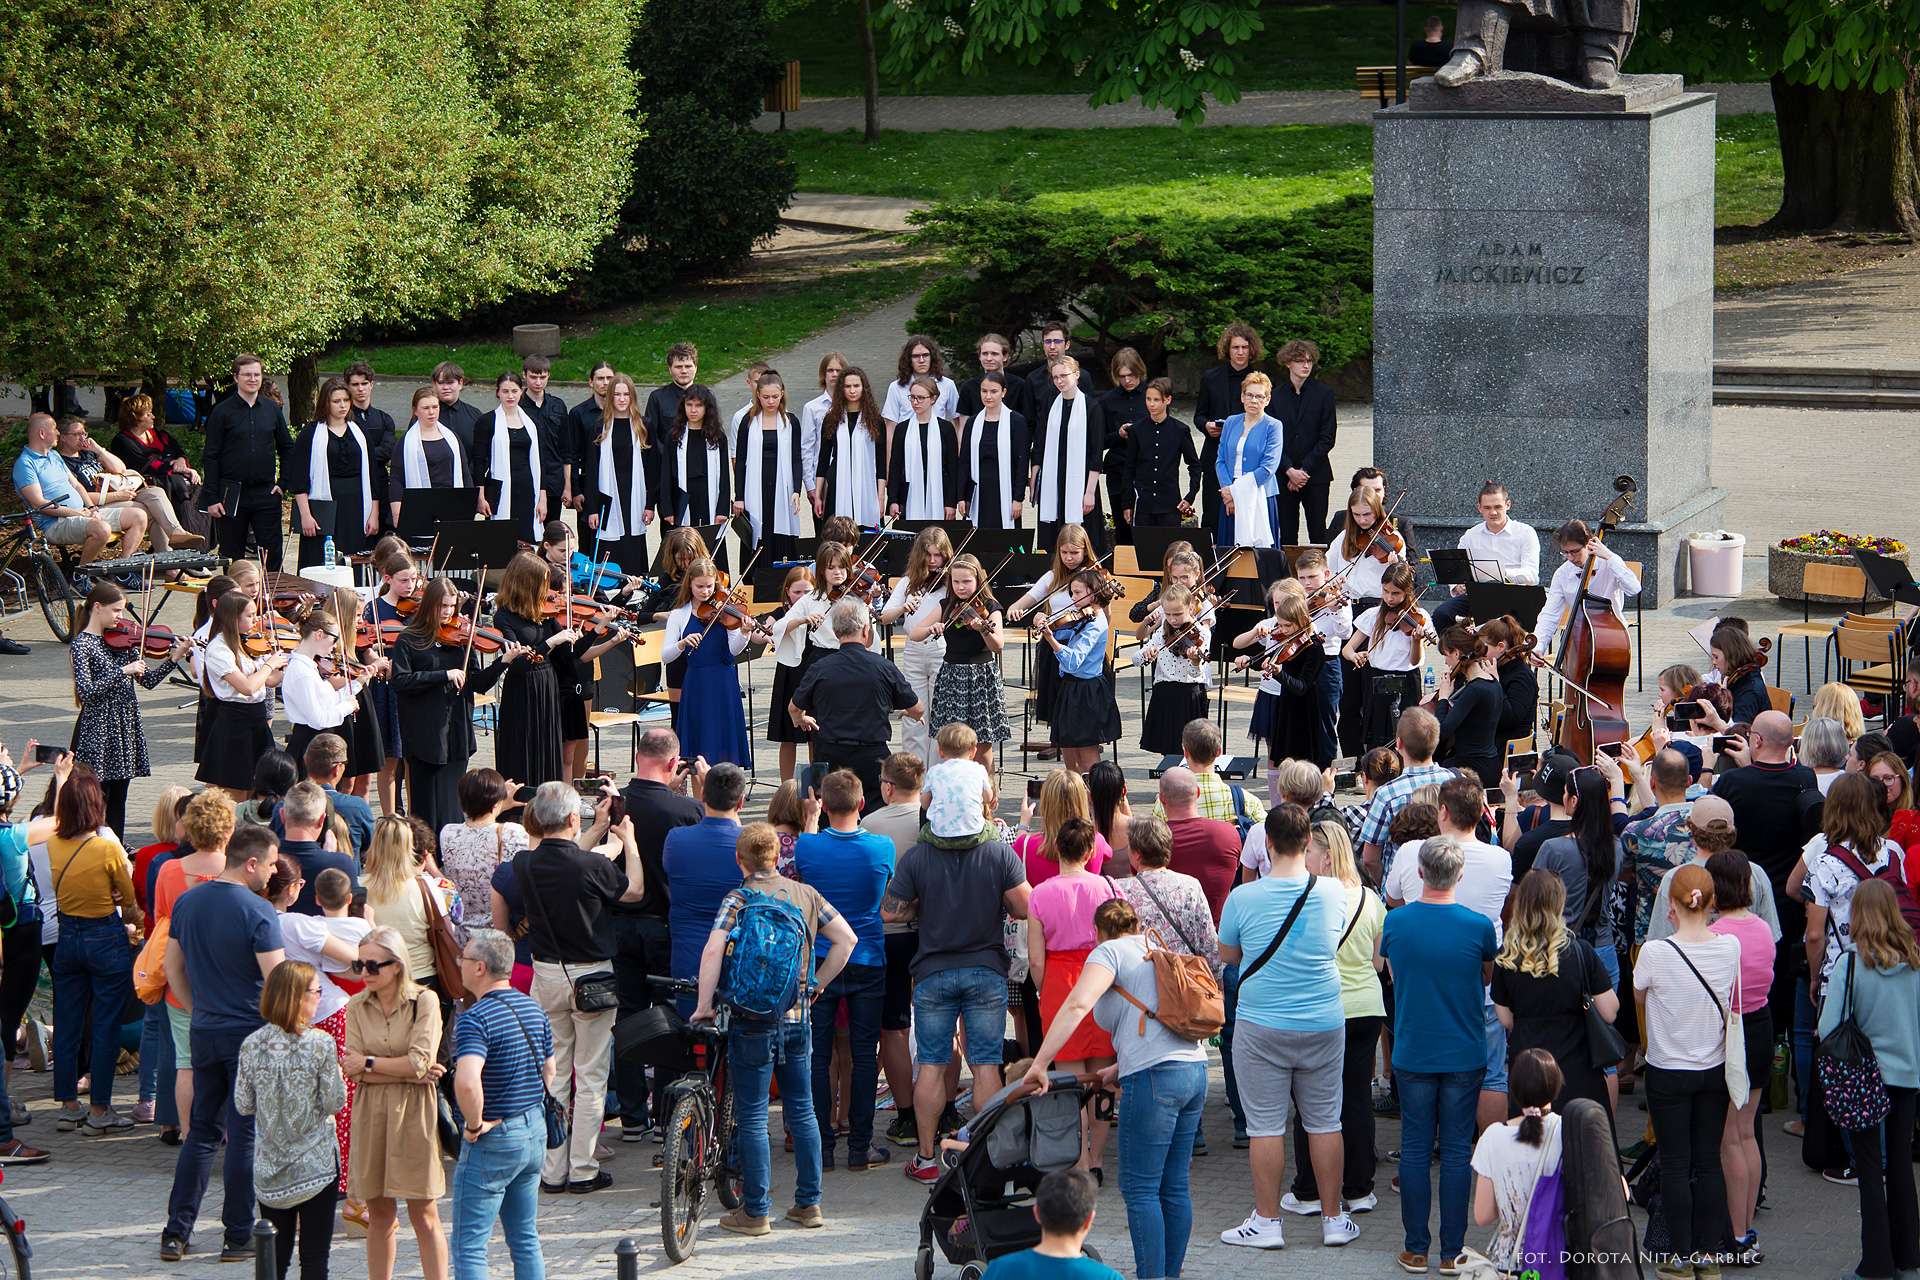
(57, 600)
(728, 1183)
(683, 1177)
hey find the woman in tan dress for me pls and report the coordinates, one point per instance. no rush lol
(393, 1034)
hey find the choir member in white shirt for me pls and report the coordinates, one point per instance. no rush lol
(832, 365)
(1612, 580)
(920, 358)
(1500, 549)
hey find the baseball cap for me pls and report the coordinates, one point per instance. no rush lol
(1550, 781)
(1711, 813)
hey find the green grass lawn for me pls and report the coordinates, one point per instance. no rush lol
(1302, 47)
(730, 334)
(1163, 170)
(1748, 178)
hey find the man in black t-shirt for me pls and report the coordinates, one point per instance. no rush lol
(1434, 51)
(569, 893)
(847, 699)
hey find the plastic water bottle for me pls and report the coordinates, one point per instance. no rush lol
(1426, 681)
(331, 556)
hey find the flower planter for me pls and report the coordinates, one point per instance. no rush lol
(1786, 570)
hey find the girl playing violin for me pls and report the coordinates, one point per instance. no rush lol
(1352, 553)
(540, 707)
(1386, 652)
(789, 646)
(1072, 552)
(217, 586)
(1086, 717)
(966, 687)
(830, 564)
(108, 734)
(240, 729)
(916, 597)
(435, 675)
(399, 581)
(1143, 610)
(1469, 705)
(317, 702)
(591, 579)
(713, 724)
(1177, 650)
(1183, 570)
(1287, 710)
(1739, 664)
(366, 749)
(1509, 651)
(681, 549)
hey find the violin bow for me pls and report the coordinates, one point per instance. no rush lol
(751, 561)
(1371, 538)
(957, 553)
(987, 581)
(479, 584)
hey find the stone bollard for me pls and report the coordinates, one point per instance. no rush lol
(536, 339)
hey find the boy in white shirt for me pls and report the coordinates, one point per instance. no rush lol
(959, 791)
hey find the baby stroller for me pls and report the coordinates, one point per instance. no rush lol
(981, 1208)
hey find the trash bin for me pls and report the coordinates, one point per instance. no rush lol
(1714, 562)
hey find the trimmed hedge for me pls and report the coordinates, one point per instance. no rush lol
(1162, 285)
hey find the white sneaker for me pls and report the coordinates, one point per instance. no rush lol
(1338, 1231)
(1305, 1208)
(1364, 1204)
(1256, 1233)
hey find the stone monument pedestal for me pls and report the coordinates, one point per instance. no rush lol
(1543, 316)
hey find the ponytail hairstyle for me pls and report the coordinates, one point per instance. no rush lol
(1174, 549)
(226, 625)
(102, 593)
(1691, 891)
(983, 592)
(765, 380)
(1507, 631)
(217, 586)
(1463, 643)
(1533, 1082)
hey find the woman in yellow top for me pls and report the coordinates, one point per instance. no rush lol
(393, 1034)
(93, 885)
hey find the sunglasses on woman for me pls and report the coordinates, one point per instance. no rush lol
(371, 966)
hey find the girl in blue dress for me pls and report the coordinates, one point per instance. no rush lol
(713, 721)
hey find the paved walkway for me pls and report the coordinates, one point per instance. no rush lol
(1869, 318)
(1070, 110)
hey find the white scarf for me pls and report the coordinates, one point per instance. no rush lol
(855, 474)
(320, 480)
(501, 462)
(785, 519)
(620, 511)
(926, 481)
(1052, 481)
(413, 459)
(1250, 527)
(714, 465)
(980, 424)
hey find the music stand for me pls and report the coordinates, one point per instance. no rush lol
(422, 511)
(1489, 600)
(1452, 567)
(465, 546)
(956, 529)
(1889, 577)
(989, 545)
(1150, 543)
(710, 535)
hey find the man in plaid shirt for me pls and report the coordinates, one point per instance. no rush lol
(1416, 736)
(1200, 745)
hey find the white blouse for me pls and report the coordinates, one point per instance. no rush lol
(222, 661)
(310, 698)
(1364, 582)
(930, 604)
(681, 623)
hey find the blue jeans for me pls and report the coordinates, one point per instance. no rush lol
(863, 987)
(216, 1061)
(495, 1179)
(1230, 990)
(756, 1060)
(154, 1041)
(92, 963)
(1159, 1114)
(1326, 727)
(1442, 1103)
(977, 994)
(1805, 1019)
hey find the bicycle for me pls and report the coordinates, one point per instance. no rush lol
(40, 574)
(699, 1133)
(16, 1261)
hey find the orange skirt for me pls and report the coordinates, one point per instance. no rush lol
(1088, 1040)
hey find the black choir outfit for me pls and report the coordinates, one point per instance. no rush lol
(1750, 698)
(345, 476)
(419, 463)
(508, 452)
(1041, 393)
(382, 435)
(994, 462)
(1019, 397)
(550, 417)
(622, 482)
(381, 700)
(1066, 452)
(532, 703)
(696, 480)
(1218, 400)
(924, 491)
(1308, 415)
(849, 468)
(436, 722)
(243, 458)
(1123, 411)
(766, 476)
(1150, 477)
(1469, 725)
(1519, 702)
(580, 436)
(462, 419)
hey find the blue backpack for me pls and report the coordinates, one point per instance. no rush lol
(768, 958)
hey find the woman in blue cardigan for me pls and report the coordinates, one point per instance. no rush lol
(1250, 445)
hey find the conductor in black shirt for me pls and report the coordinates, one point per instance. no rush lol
(1305, 408)
(1434, 51)
(640, 928)
(246, 446)
(377, 426)
(1239, 350)
(456, 415)
(848, 697)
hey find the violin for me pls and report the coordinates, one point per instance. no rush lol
(1065, 620)
(720, 608)
(972, 612)
(862, 578)
(1292, 647)
(1523, 650)
(1387, 543)
(463, 632)
(330, 666)
(1112, 588)
(1182, 642)
(152, 642)
(270, 635)
(1412, 621)
(1327, 597)
(1765, 645)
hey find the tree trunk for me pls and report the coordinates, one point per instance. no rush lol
(873, 74)
(303, 386)
(1849, 157)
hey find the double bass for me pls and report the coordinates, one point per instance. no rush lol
(1596, 654)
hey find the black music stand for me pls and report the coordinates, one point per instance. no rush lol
(956, 529)
(423, 511)
(1150, 543)
(466, 546)
(989, 545)
(710, 535)
(1452, 567)
(1890, 577)
(1489, 600)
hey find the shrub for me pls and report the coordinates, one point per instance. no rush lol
(1158, 284)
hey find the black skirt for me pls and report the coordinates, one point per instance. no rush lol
(573, 716)
(1174, 704)
(1046, 680)
(202, 721)
(1266, 717)
(238, 734)
(366, 748)
(527, 748)
(780, 725)
(1085, 713)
